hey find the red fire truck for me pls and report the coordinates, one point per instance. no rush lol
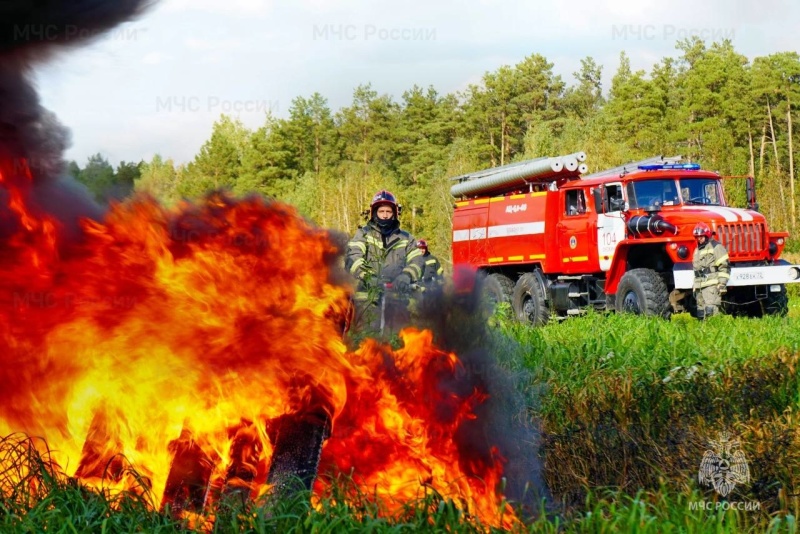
(553, 243)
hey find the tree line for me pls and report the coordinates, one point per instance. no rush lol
(709, 104)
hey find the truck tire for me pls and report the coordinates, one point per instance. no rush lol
(528, 300)
(643, 292)
(497, 288)
(776, 303)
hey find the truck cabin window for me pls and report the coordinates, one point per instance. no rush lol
(576, 203)
(614, 199)
(652, 194)
(701, 191)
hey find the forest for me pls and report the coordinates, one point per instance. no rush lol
(709, 104)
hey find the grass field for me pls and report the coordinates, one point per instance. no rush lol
(626, 406)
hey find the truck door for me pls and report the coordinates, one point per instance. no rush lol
(610, 224)
(573, 230)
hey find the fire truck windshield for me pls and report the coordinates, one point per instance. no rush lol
(648, 194)
(653, 193)
(701, 191)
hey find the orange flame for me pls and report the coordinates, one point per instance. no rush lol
(167, 334)
(397, 433)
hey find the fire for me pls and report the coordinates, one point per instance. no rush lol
(399, 432)
(167, 351)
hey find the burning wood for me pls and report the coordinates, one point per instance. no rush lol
(298, 447)
(189, 476)
(247, 449)
(298, 442)
(101, 454)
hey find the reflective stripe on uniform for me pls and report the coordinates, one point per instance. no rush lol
(705, 251)
(414, 271)
(413, 254)
(711, 266)
(356, 265)
(360, 245)
(373, 241)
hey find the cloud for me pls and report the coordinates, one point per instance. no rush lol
(226, 7)
(155, 58)
(244, 51)
(194, 43)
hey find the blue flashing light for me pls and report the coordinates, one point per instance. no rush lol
(671, 166)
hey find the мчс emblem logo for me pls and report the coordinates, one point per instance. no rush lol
(724, 465)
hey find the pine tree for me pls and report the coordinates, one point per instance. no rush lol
(218, 164)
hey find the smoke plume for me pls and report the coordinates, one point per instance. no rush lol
(31, 136)
(490, 363)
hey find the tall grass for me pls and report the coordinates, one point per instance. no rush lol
(628, 404)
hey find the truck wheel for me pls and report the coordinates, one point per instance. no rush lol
(643, 292)
(497, 288)
(776, 303)
(528, 300)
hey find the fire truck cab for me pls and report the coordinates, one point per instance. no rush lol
(616, 240)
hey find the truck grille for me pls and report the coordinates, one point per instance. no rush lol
(742, 239)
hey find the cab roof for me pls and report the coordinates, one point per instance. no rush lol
(639, 174)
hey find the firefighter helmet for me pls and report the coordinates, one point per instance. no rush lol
(421, 243)
(382, 198)
(702, 230)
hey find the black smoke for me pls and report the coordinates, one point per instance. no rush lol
(491, 363)
(32, 141)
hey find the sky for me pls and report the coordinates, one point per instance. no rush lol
(157, 84)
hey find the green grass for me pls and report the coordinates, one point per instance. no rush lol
(626, 406)
(629, 403)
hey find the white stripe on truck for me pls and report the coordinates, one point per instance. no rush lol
(501, 230)
(460, 235)
(726, 213)
(508, 230)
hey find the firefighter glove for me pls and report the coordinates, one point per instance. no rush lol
(402, 283)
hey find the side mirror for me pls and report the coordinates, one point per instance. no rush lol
(750, 187)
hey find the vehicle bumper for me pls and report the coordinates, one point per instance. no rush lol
(780, 273)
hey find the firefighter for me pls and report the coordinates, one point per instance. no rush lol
(432, 275)
(432, 282)
(711, 272)
(381, 253)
